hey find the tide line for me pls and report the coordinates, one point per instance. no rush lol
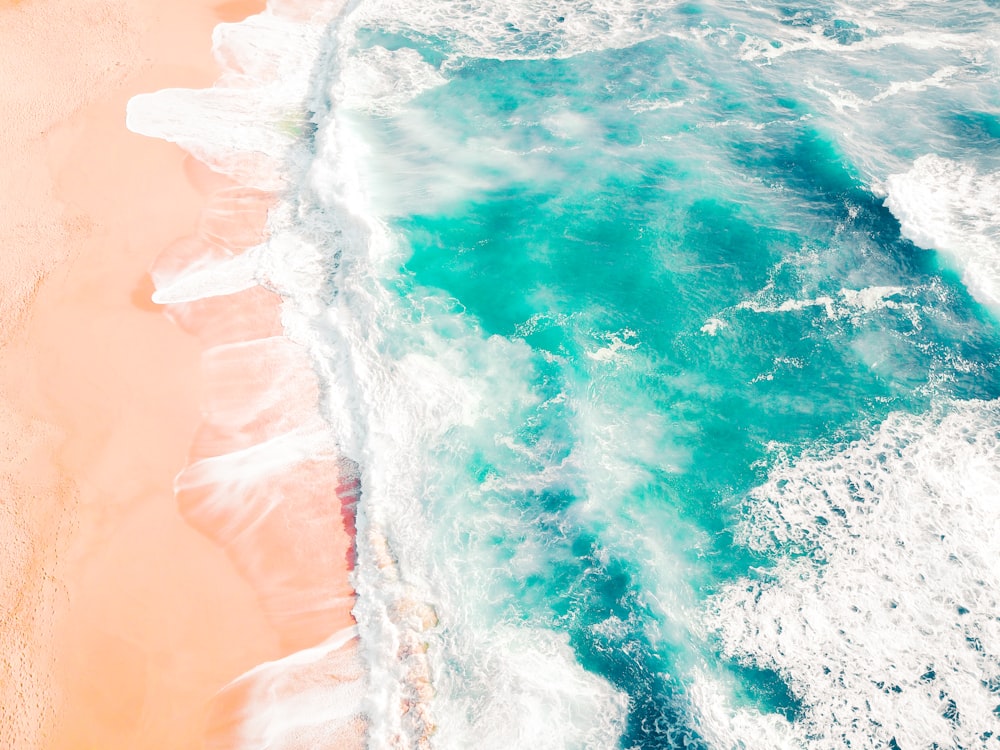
(264, 480)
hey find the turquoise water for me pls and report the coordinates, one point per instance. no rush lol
(624, 312)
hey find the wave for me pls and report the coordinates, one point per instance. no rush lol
(880, 611)
(267, 465)
(356, 420)
(265, 479)
(947, 205)
(525, 29)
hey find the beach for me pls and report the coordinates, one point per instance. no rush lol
(527, 375)
(120, 620)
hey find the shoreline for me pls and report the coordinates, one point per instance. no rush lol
(120, 621)
(265, 480)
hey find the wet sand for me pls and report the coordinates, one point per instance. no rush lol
(118, 620)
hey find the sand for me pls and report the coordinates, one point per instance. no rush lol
(118, 619)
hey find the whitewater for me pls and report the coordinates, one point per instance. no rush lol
(659, 344)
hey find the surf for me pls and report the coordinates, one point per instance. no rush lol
(597, 327)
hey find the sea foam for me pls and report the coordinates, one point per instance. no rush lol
(266, 480)
(947, 205)
(881, 610)
(249, 124)
(525, 29)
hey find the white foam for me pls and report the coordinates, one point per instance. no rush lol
(267, 470)
(311, 698)
(521, 29)
(848, 303)
(881, 613)
(868, 71)
(646, 105)
(249, 124)
(381, 82)
(527, 691)
(841, 98)
(221, 257)
(618, 343)
(439, 167)
(813, 39)
(870, 28)
(221, 128)
(208, 277)
(939, 78)
(947, 205)
(727, 727)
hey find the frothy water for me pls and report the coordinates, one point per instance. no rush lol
(660, 340)
(881, 609)
(948, 206)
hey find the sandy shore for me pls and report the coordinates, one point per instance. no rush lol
(118, 621)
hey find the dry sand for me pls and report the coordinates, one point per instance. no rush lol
(118, 621)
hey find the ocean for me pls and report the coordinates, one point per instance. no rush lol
(662, 340)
